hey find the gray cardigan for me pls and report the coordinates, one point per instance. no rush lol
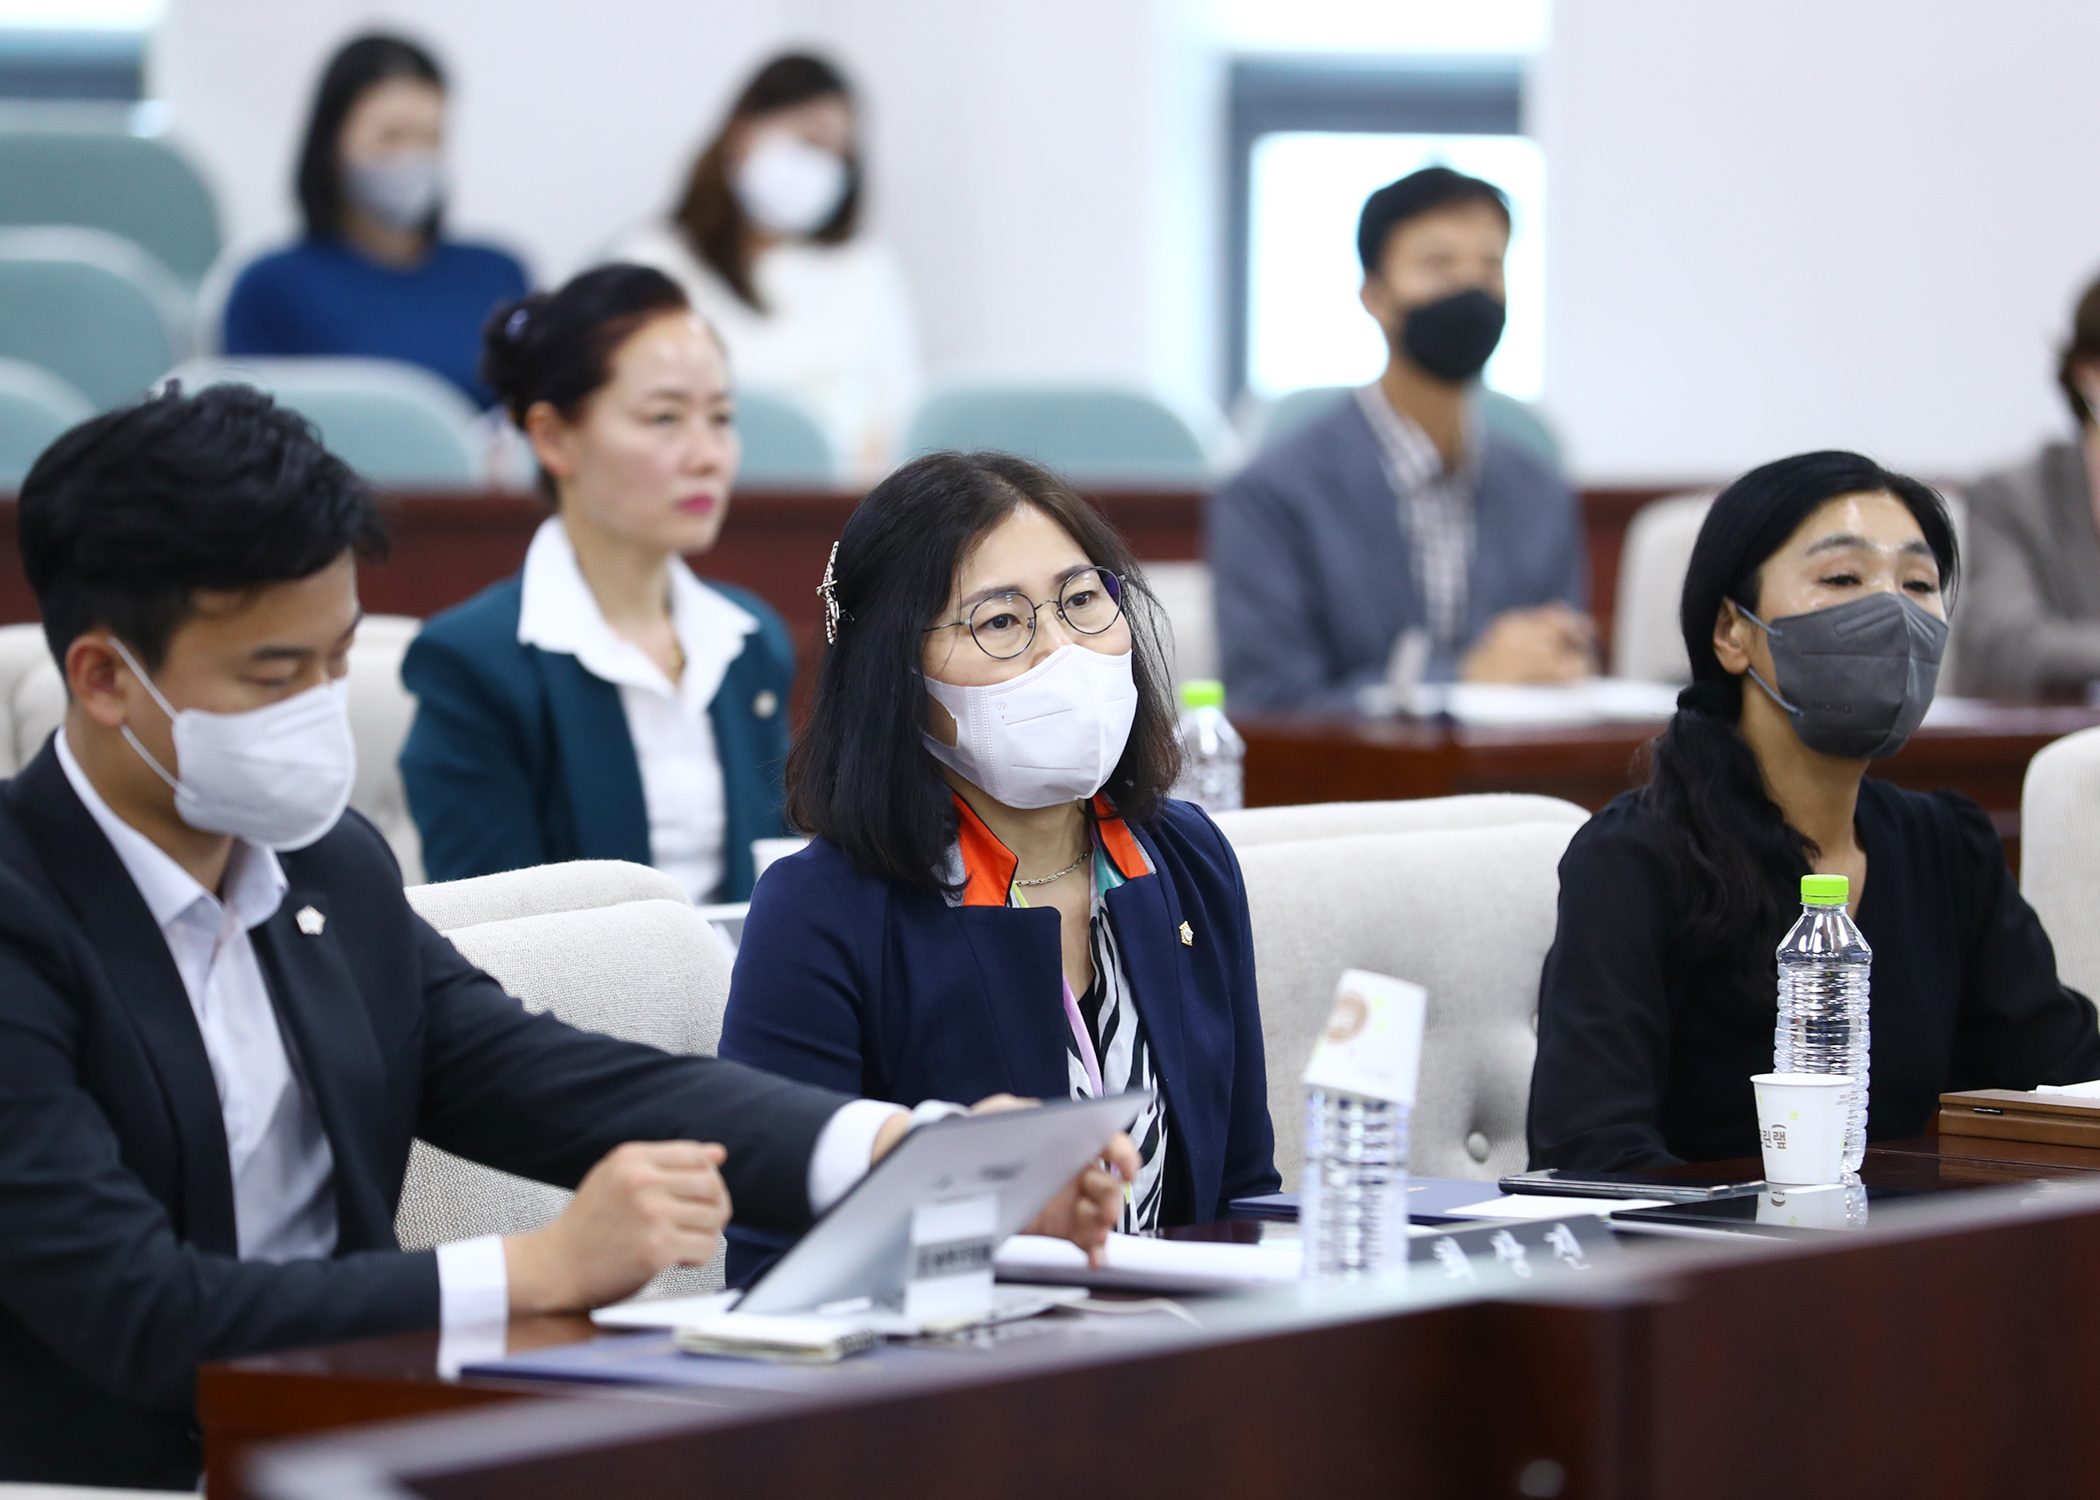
(2028, 613)
(1315, 580)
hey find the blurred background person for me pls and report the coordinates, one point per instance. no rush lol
(373, 273)
(2029, 623)
(766, 242)
(1398, 511)
(604, 703)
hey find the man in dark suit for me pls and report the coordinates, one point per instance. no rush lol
(220, 1022)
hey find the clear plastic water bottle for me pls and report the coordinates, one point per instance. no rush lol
(1213, 755)
(1825, 968)
(1352, 1198)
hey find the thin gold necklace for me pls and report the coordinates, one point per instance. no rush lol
(1061, 874)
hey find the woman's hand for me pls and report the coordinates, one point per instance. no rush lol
(1088, 1206)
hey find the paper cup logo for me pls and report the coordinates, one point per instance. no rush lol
(1348, 1018)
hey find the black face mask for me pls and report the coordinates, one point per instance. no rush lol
(1452, 337)
(1856, 678)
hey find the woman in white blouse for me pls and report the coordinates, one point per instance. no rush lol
(604, 702)
(764, 242)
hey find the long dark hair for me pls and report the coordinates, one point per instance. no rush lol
(356, 66)
(859, 774)
(710, 217)
(1732, 850)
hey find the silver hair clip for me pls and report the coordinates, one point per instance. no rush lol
(829, 590)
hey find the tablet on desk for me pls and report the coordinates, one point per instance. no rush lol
(856, 1255)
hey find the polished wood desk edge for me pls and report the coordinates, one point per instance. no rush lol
(1675, 1294)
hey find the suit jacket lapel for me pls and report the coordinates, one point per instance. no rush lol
(326, 1024)
(141, 972)
(1021, 967)
(598, 765)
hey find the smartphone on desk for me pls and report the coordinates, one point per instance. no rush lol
(1676, 1188)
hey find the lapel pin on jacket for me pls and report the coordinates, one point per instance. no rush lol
(765, 705)
(311, 922)
(1188, 938)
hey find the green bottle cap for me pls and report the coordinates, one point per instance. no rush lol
(1202, 692)
(1825, 890)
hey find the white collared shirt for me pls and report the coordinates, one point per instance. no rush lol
(283, 1171)
(282, 1167)
(674, 739)
(1436, 508)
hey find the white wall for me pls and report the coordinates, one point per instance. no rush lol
(1020, 165)
(1807, 223)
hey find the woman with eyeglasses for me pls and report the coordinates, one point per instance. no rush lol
(1000, 897)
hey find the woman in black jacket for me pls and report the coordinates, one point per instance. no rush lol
(1815, 616)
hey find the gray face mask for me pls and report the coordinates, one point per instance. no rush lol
(400, 192)
(1855, 678)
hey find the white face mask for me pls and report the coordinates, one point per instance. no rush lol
(1051, 735)
(279, 776)
(401, 192)
(788, 186)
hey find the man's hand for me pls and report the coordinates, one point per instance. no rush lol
(1549, 644)
(646, 1206)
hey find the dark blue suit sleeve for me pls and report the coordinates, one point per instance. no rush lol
(799, 993)
(1267, 594)
(90, 1263)
(1250, 1142)
(464, 769)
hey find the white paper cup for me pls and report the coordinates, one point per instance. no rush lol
(1801, 1125)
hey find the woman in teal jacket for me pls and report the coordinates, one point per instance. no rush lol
(605, 703)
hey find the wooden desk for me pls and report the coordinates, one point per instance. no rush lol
(1943, 1350)
(1462, 1391)
(1290, 761)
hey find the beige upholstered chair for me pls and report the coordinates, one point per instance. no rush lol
(576, 885)
(648, 970)
(381, 710)
(1184, 593)
(1255, 826)
(1466, 913)
(2060, 853)
(1646, 641)
(22, 652)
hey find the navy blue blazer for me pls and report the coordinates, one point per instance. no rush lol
(521, 757)
(887, 991)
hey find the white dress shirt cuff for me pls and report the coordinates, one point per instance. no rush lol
(473, 1283)
(843, 1148)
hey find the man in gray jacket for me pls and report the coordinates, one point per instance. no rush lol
(1396, 513)
(2028, 619)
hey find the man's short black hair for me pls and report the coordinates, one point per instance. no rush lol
(125, 517)
(1412, 196)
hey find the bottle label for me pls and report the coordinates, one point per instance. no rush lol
(1373, 1042)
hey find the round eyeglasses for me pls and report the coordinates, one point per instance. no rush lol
(1003, 626)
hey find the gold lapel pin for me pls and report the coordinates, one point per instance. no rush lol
(1188, 938)
(311, 922)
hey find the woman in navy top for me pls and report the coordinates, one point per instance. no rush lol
(605, 703)
(1000, 897)
(373, 276)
